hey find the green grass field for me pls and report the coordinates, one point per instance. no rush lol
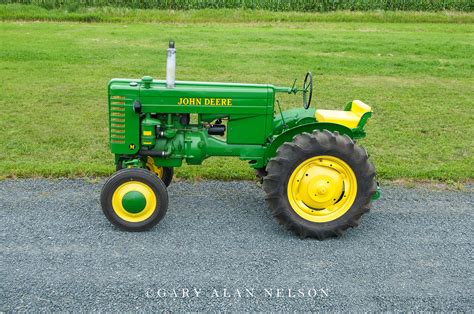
(418, 77)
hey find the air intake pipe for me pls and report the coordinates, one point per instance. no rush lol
(171, 66)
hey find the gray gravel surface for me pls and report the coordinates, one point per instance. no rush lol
(413, 251)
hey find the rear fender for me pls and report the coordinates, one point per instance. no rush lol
(288, 135)
(288, 119)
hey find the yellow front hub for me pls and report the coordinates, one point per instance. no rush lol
(322, 188)
(134, 201)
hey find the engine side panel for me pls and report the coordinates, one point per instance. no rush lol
(248, 107)
(124, 124)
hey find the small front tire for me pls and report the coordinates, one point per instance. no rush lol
(134, 199)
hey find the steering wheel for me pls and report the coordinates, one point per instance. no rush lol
(307, 87)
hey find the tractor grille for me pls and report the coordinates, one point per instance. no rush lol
(117, 119)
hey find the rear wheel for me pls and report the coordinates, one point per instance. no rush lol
(134, 199)
(260, 173)
(319, 184)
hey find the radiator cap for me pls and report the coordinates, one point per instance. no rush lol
(147, 80)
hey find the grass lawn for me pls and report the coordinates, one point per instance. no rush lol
(418, 77)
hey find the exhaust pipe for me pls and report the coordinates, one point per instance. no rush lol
(171, 66)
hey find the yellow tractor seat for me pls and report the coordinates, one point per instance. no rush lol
(347, 118)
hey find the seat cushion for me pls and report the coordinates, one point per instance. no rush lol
(347, 118)
(360, 107)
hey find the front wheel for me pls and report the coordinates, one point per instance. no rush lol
(319, 184)
(134, 199)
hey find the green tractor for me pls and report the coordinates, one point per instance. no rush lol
(317, 180)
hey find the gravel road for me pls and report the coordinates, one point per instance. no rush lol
(219, 248)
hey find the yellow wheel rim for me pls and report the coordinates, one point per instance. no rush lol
(322, 188)
(134, 201)
(150, 164)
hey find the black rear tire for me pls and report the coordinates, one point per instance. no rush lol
(144, 178)
(260, 173)
(304, 147)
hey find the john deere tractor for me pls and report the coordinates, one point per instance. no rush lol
(318, 181)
